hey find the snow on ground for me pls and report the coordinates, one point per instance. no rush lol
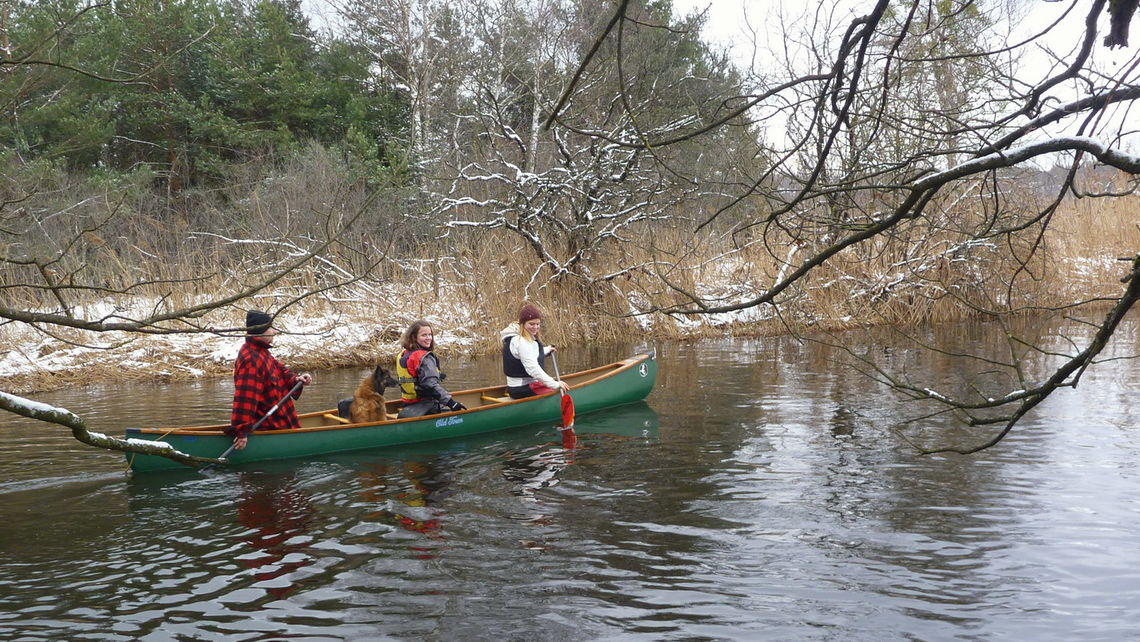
(315, 334)
(322, 334)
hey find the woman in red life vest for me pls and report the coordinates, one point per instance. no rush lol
(524, 357)
(417, 371)
(260, 381)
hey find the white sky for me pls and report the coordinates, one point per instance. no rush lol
(732, 23)
(729, 21)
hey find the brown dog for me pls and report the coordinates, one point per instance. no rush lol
(368, 400)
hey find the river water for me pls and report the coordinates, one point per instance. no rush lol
(762, 492)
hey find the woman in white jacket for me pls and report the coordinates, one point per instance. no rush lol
(524, 357)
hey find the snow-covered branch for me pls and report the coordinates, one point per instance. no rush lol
(63, 417)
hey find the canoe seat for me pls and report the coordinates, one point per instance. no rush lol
(391, 415)
(490, 399)
(336, 418)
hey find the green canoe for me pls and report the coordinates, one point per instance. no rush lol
(488, 410)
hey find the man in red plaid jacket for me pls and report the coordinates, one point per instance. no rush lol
(260, 381)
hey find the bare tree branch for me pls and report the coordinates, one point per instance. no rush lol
(63, 417)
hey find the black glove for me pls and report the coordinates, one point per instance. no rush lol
(452, 404)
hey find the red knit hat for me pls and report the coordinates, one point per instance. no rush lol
(529, 312)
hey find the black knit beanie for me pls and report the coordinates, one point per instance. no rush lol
(257, 322)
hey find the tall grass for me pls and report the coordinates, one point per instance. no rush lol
(137, 250)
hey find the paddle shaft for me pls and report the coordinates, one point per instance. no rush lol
(561, 392)
(556, 375)
(272, 410)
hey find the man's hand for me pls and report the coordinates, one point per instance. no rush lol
(240, 442)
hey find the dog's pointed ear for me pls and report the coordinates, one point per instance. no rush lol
(378, 379)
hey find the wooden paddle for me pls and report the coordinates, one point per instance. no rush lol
(267, 416)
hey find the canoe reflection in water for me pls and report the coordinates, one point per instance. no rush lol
(409, 492)
(279, 517)
(530, 471)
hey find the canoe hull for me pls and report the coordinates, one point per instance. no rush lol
(624, 382)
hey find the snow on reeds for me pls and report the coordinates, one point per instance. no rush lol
(638, 291)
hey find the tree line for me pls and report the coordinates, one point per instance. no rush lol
(184, 89)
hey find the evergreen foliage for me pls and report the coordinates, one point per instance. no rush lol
(186, 87)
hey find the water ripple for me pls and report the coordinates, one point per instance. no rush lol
(780, 507)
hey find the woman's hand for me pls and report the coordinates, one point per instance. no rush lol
(565, 386)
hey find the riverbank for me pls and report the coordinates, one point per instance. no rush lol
(315, 336)
(470, 294)
(319, 335)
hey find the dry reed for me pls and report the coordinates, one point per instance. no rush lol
(472, 284)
